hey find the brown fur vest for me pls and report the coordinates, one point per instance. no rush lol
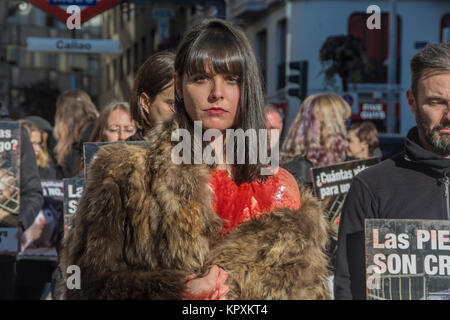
(144, 224)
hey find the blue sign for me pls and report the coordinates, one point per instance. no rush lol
(73, 2)
(73, 45)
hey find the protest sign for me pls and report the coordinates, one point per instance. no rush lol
(73, 189)
(331, 185)
(40, 239)
(9, 241)
(9, 173)
(407, 259)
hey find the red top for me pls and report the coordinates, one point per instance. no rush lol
(237, 204)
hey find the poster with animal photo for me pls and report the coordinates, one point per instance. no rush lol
(73, 190)
(91, 148)
(41, 238)
(9, 174)
(331, 185)
(407, 259)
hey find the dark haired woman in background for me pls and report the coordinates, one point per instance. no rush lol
(114, 123)
(362, 140)
(74, 120)
(149, 228)
(152, 98)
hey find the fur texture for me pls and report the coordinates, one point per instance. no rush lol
(144, 224)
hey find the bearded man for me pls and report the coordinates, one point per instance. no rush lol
(413, 184)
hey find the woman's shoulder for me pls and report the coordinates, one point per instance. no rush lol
(117, 160)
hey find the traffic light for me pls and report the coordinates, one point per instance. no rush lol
(301, 79)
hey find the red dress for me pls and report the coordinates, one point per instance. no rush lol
(236, 204)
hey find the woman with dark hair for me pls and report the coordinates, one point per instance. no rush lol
(362, 141)
(74, 120)
(152, 97)
(150, 227)
(114, 123)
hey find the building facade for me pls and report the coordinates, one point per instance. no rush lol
(143, 28)
(286, 31)
(25, 69)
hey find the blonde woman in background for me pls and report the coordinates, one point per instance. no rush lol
(74, 121)
(43, 160)
(317, 136)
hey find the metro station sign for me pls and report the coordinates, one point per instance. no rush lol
(89, 8)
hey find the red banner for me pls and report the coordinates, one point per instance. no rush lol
(59, 12)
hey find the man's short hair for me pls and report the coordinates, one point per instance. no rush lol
(367, 132)
(434, 56)
(271, 108)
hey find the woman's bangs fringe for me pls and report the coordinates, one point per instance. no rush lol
(219, 57)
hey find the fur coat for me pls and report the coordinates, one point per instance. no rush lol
(143, 224)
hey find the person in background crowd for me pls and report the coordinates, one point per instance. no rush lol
(149, 228)
(31, 201)
(44, 162)
(114, 123)
(362, 138)
(152, 98)
(317, 136)
(413, 184)
(274, 120)
(47, 134)
(74, 121)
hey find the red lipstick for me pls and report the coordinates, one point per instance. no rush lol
(215, 111)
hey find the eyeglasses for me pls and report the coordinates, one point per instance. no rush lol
(118, 129)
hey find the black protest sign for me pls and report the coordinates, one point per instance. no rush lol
(89, 151)
(51, 214)
(9, 241)
(407, 259)
(53, 189)
(9, 173)
(73, 189)
(331, 185)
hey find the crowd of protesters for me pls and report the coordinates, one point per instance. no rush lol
(149, 229)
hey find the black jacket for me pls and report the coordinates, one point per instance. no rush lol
(410, 185)
(72, 162)
(300, 168)
(31, 198)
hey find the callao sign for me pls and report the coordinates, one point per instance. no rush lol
(73, 45)
(64, 9)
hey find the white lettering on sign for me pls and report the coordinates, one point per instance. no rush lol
(437, 239)
(391, 241)
(8, 145)
(73, 45)
(395, 264)
(74, 194)
(372, 111)
(437, 264)
(77, 45)
(5, 133)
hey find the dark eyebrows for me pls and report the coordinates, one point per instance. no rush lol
(435, 98)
